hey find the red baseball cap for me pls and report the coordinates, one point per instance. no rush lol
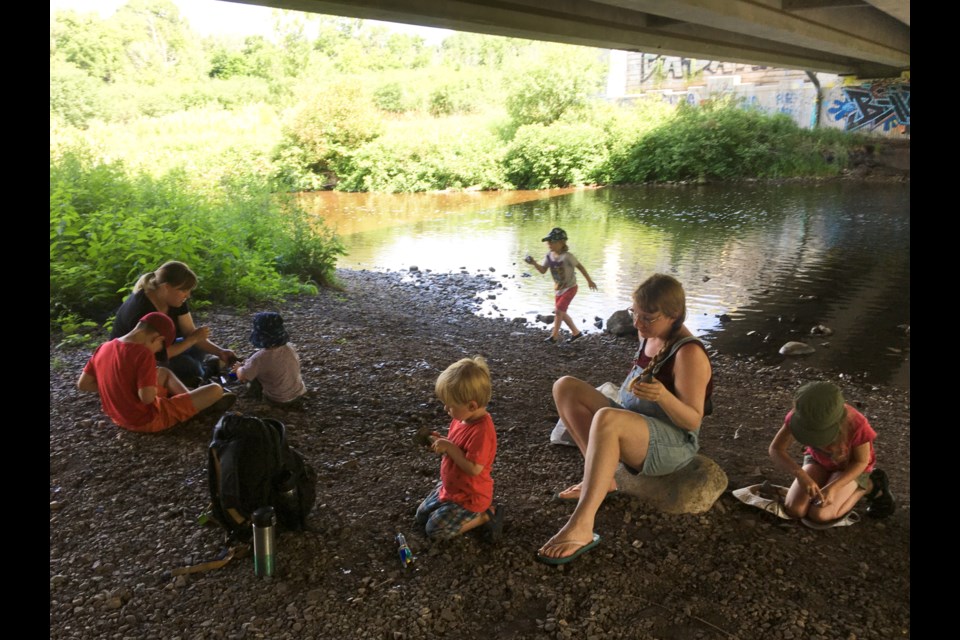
(162, 323)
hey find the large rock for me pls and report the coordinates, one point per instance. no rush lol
(621, 324)
(692, 489)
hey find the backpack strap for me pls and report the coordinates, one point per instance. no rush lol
(676, 347)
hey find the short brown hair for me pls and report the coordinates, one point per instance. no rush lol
(465, 380)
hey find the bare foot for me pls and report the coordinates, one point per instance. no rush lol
(573, 492)
(557, 547)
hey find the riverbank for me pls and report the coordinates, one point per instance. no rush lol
(124, 506)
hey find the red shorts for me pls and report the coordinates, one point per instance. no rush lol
(170, 411)
(562, 301)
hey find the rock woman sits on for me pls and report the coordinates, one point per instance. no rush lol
(167, 290)
(653, 429)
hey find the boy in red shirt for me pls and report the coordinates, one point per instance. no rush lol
(136, 393)
(463, 499)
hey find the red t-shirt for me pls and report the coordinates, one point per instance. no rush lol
(478, 441)
(860, 432)
(121, 369)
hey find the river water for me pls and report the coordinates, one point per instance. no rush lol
(761, 264)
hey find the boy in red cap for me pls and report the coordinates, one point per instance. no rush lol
(136, 393)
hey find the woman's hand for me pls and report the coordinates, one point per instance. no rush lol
(228, 356)
(199, 335)
(651, 391)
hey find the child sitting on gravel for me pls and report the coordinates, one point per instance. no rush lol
(274, 370)
(136, 393)
(838, 467)
(463, 499)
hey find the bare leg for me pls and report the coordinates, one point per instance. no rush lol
(169, 380)
(556, 324)
(577, 402)
(206, 395)
(845, 498)
(476, 522)
(615, 434)
(797, 502)
(569, 320)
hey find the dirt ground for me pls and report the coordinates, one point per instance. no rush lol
(124, 506)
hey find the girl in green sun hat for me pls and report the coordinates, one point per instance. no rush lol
(839, 463)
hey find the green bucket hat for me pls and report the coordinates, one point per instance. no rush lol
(817, 412)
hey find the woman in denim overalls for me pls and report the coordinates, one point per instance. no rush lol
(653, 429)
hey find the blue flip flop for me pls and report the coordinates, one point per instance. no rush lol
(573, 556)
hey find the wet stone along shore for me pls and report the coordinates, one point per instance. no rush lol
(124, 506)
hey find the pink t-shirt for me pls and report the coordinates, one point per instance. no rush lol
(859, 433)
(478, 441)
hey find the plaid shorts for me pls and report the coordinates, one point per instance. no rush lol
(443, 520)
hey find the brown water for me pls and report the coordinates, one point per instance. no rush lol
(761, 264)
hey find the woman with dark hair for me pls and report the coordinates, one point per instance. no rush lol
(653, 428)
(167, 290)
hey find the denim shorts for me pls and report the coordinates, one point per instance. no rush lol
(671, 448)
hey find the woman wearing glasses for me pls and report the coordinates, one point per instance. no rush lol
(653, 429)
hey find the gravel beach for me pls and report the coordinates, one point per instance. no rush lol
(124, 506)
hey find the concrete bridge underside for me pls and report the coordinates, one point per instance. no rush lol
(868, 39)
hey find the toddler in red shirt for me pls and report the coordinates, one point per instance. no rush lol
(463, 499)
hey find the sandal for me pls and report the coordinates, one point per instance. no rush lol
(494, 526)
(584, 547)
(883, 505)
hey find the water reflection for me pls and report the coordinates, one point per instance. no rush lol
(762, 264)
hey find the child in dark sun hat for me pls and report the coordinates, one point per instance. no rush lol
(274, 369)
(839, 465)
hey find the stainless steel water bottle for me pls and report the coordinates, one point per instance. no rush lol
(264, 541)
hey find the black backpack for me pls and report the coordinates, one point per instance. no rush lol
(251, 465)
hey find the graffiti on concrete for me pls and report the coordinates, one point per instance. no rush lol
(880, 105)
(654, 66)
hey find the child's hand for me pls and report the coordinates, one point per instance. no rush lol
(441, 445)
(592, 284)
(528, 259)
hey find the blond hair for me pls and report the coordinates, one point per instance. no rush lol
(176, 274)
(465, 380)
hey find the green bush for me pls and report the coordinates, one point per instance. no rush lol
(421, 157)
(719, 140)
(107, 227)
(558, 155)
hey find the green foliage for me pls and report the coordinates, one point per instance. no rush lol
(558, 155)
(393, 97)
(421, 157)
(330, 125)
(453, 98)
(560, 82)
(719, 140)
(108, 227)
(74, 95)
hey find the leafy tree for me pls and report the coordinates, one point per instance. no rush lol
(331, 123)
(563, 80)
(74, 94)
(87, 43)
(158, 42)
